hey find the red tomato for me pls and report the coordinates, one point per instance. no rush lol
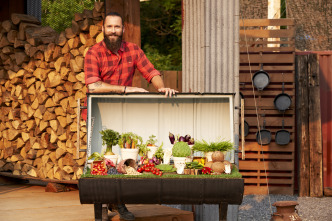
(154, 172)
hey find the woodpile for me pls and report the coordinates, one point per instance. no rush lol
(41, 79)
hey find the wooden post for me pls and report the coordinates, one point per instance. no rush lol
(315, 135)
(223, 211)
(302, 111)
(242, 130)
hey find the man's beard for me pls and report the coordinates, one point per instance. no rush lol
(113, 46)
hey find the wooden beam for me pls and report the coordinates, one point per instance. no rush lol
(315, 131)
(302, 123)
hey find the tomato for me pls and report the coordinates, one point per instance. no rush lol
(154, 172)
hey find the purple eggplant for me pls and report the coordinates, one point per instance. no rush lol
(191, 141)
(187, 138)
(151, 161)
(171, 137)
(182, 139)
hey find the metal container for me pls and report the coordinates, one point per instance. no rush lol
(203, 116)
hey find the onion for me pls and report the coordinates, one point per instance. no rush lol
(151, 161)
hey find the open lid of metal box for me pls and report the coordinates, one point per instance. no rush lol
(203, 116)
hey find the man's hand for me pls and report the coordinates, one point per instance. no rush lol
(168, 91)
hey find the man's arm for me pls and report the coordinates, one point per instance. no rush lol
(102, 87)
(158, 83)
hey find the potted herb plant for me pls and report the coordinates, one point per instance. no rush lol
(129, 144)
(110, 138)
(180, 152)
(151, 145)
(209, 147)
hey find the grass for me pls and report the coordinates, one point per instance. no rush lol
(235, 174)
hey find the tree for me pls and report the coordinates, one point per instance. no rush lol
(58, 14)
(161, 28)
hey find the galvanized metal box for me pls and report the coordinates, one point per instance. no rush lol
(203, 116)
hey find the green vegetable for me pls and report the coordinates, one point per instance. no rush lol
(194, 165)
(165, 168)
(96, 156)
(110, 138)
(160, 152)
(181, 149)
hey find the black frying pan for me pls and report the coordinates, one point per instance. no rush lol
(282, 101)
(264, 136)
(261, 79)
(246, 128)
(282, 136)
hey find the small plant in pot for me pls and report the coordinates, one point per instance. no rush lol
(151, 145)
(110, 138)
(130, 143)
(180, 152)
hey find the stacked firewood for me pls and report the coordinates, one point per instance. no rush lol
(42, 78)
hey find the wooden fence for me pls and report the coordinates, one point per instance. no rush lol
(269, 165)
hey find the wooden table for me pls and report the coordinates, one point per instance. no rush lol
(99, 191)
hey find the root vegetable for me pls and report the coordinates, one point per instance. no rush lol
(217, 156)
(208, 164)
(218, 167)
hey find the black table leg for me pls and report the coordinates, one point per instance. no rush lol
(223, 211)
(98, 212)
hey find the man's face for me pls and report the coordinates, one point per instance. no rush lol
(113, 29)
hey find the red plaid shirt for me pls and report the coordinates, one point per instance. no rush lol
(101, 64)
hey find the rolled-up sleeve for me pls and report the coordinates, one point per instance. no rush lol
(145, 66)
(91, 68)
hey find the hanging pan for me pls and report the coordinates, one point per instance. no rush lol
(282, 136)
(263, 137)
(282, 101)
(246, 129)
(261, 79)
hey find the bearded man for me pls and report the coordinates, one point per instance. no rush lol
(110, 65)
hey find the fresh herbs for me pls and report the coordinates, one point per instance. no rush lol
(220, 145)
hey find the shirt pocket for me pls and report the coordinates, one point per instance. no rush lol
(129, 65)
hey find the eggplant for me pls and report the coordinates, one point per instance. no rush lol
(182, 139)
(187, 138)
(171, 137)
(191, 141)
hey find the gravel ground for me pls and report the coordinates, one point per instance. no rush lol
(257, 207)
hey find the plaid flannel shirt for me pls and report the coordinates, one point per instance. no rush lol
(101, 64)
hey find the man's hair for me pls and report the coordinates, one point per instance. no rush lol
(114, 14)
